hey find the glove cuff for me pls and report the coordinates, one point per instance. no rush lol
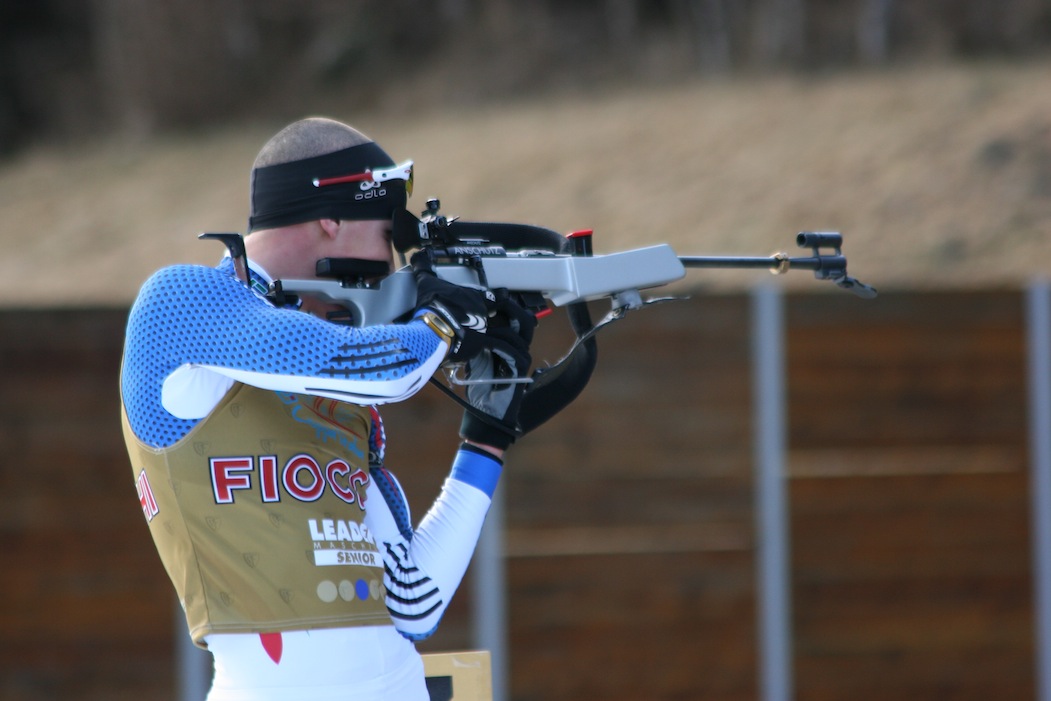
(487, 431)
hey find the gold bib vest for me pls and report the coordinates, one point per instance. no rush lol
(258, 515)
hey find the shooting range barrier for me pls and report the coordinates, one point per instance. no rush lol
(760, 495)
(459, 676)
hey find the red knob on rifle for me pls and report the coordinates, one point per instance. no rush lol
(581, 241)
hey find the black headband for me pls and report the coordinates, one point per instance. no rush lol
(285, 194)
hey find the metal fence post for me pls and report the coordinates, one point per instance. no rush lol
(1038, 333)
(773, 587)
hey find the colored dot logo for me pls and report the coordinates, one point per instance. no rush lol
(328, 591)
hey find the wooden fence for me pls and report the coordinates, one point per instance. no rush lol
(630, 535)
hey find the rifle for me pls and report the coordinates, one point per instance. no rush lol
(540, 267)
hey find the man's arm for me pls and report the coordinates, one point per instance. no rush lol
(424, 566)
(194, 331)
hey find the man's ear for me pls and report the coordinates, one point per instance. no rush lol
(330, 227)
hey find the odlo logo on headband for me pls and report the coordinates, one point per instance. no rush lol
(370, 190)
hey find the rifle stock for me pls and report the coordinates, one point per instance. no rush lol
(561, 279)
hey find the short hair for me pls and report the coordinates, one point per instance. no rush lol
(306, 138)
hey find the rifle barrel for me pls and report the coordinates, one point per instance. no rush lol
(728, 262)
(780, 261)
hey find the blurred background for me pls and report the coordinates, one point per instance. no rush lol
(920, 129)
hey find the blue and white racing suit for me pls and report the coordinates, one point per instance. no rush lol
(194, 333)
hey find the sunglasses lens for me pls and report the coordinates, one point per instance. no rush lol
(408, 181)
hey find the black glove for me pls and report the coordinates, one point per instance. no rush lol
(494, 418)
(464, 309)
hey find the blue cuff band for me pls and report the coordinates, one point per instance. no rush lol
(478, 470)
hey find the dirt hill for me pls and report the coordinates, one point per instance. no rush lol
(939, 176)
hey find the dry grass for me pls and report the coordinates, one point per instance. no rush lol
(938, 177)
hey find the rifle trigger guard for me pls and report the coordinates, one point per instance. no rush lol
(455, 377)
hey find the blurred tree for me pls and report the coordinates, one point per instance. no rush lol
(172, 64)
(1002, 27)
(75, 67)
(42, 88)
(16, 121)
(873, 31)
(779, 32)
(712, 24)
(622, 21)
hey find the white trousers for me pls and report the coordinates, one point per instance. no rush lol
(370, 663)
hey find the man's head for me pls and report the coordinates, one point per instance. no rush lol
(319, 168)
(322, 189)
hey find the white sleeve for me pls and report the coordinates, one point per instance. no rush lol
(191, 391)
(423, 568)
